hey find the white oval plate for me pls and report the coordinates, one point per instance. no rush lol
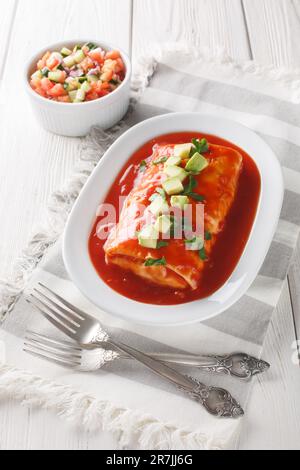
(83, 215)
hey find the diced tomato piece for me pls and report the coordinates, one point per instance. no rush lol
(46, 84)
(64, 99)
(109, 65)
(40, 91)
(120, 67)
(56, 91)
(35, 82)
(61, 76)
(97, 55)
(87, 64)
(91, 96)
(112, 55)
(105, 86)
(103, 93)
(107, 76)
(53, 61)
(42, 63)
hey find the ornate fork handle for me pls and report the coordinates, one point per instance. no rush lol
(238, 365)
(216, 401)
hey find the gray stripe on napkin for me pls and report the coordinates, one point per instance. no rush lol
(287, 153)
(226, 95)
(291, 207)
(247, 319)
(277, 261)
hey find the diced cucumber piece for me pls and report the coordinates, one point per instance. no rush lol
(72, 95)
(73, 84)
(37, 75)
(158, 206)
(173, 171)
(173, 161)
(179, 201)
(80, 96)
(69, 61)
(148, 237)
(79, 56)
(163, 224)
(92, 78)
(183, 150)
(173, 186)
(54, 76)
(86, 87)
(65, 52)
(197, 163)
(195, 244)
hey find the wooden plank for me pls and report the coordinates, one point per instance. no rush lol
(35, 163)
(8, 11)
(215, 24)
(274, 31)
(273, 417)
(294, 286)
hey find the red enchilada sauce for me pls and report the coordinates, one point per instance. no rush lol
(226, 252)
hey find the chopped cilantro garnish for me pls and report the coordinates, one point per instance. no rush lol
(162, 244)
(160, 160)
(200, 146)
(188, 242)
(156, 262)
(143, 166)
(202, 254)
(196, 196)
(189, 190)
(208, 235)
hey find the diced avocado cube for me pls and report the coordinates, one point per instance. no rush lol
(175, 172)
(183, 150)
(65, 51)
(86, 87)
(158, 206)
(38, 74)
(72, 95)
(197, 163)
(194, 245)
(179, 201)
(79, 56)
(173, 161)
(163, 224)
(69, 61)
(92, 78)
(173, 186)
(80, 96)
(54, 76)
(148, 237)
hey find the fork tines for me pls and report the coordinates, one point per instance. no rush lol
(63, 353)
(56, 310)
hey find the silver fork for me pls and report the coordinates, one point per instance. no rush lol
(239, 365)
(88, 333)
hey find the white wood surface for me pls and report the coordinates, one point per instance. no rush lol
(34, 163)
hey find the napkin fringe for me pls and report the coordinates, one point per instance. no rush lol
(128, 426)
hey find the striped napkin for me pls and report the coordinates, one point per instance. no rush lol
(142, 410)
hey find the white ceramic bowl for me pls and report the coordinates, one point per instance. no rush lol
(82, 218)
(76, 119)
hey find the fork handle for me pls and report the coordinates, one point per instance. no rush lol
(215, 400)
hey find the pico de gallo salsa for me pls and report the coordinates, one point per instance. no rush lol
(84, 73)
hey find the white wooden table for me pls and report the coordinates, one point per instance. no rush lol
(33, 164)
